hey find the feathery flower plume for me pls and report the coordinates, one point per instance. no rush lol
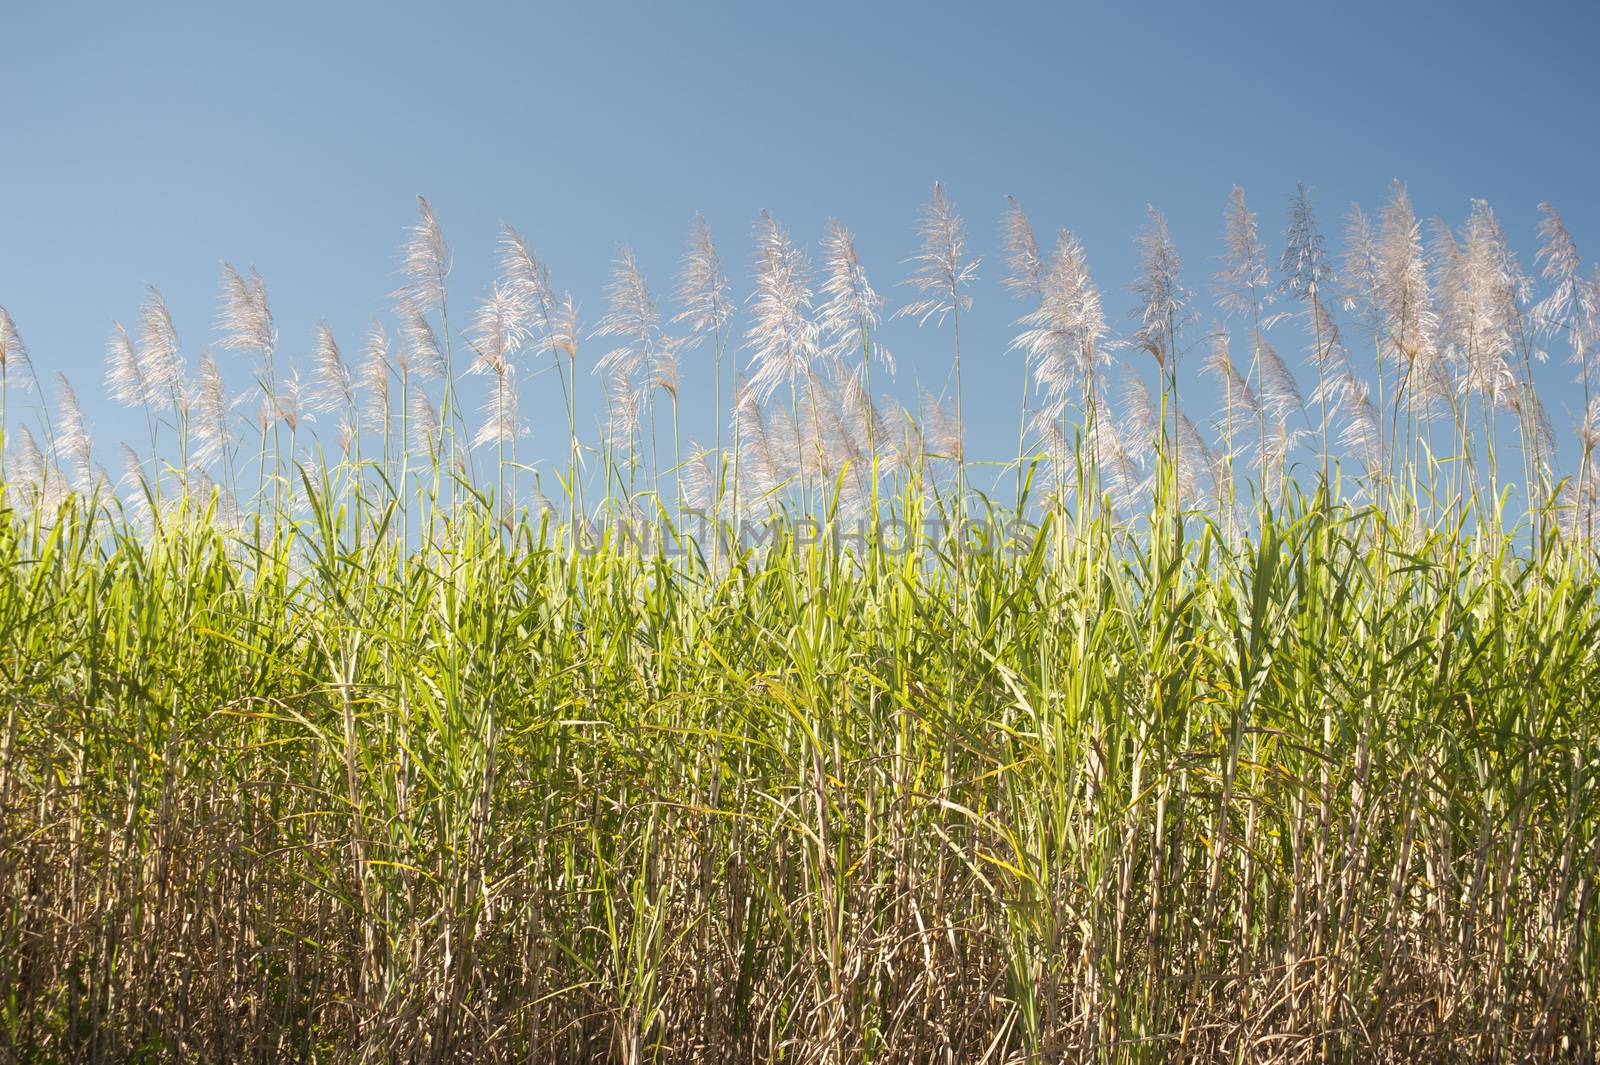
(1052, 483)
(333, 388)
(522, 270)
(1163, 312)
(1280, 443)
(909, 450)
(530, 306)
(624, 408)
(844, 454)
(1325, 334)
(1558, 261)
(1347, 394)
(132, 467)
(201, 490)
(1141, 417)
(1590, 323)
(1194, 459)
(1240, 398)
(1361, 275)
(499, 330)
(809, 437)
(941, 274)
(782, 337)
(1244, 285)
(761, 463)
(564, 332)
(543, 507)
(287, 405)
(1280, 393)
(700, 479)
(1538, 431)
(1516, 287)
(1589, 428)
(159, 361)
(103, 485)
(848, 315)
(427, 260)
(1025, 267)
(630, 316)
(942, 269)
(942, 433)
(246, 318)
(73, 442)
(500, 411)
(1119, 473)
(375, 368)
(14, 362)
(1578, 511)
(1582, 502)
(223, 507)
(526, 280)
(424, 425)
(666, 369)
(134, 486)
(347, 433)
(125, 376)
(420, 354)
(1305, 264)
(1478, 296)
(634, 364)
(1163, 308)
(1571, 306)
(860, 412)
(245, 321)
(788, 453)
(702, 286)
(1449, 261)
(1406, 305)
(214, 433)
(1403, 277)
(30, 470)
(1243, 282)
(1062, 338)
(1306, 272)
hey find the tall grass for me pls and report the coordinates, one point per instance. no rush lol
(1153, 762)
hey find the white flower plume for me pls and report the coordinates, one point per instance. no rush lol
(420, 354)
(631, 317)
(1025, 267)
(160, 363)
(245, 319)
(848, 316)
(376, 366)
(212, 413)
(1163, 308)
(14, 362)
(426, 260)
(702, 286)
(942, 271)
(73, 441)
(782, 337)
(1243, 282)
(333, 387)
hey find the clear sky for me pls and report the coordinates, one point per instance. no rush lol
(147, 143)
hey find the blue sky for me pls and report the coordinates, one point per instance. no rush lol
(148, 143)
